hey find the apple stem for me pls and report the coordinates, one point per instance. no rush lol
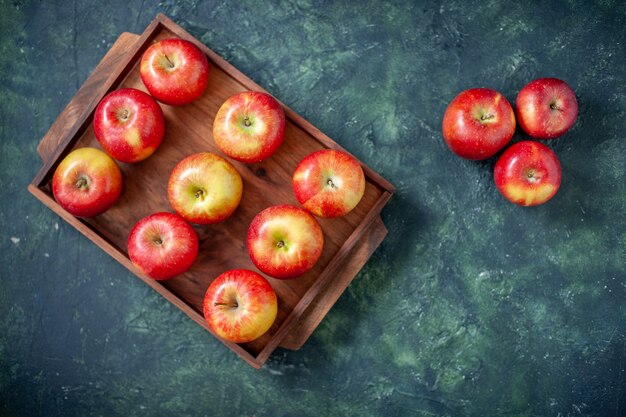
(331, 183)
(280, 244)
(247, 122)
(486, 116)
(531, 176)
(553, 106)
(169, 61)
(231, 305)
(124, 114)
(158, 241)
(199, 193)
(81, 183)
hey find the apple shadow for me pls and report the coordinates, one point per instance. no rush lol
(582, 153)
(336, 332)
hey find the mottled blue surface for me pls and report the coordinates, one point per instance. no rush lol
(472, 306)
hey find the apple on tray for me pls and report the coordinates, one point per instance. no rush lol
(284, 241)
(527, 173)
(240, 306)
(546, 108)
(478, 123)
(129, 125)
(249, 127)
(162, 245)
(329, 183)
(87, 182)
(174, 71)
(204, 188)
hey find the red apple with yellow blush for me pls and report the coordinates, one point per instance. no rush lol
(329, 183)
(546, 108)
(240, 306)
(478, 123)
(87, 182)
(175, 71)
(528, 173)
(129, 125)
(204, 188)
(284, 241)
(249, 127)
(162, 245)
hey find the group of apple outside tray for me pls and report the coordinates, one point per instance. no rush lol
(480, 122)
(283, 241)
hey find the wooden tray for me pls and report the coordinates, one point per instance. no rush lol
(304, 301)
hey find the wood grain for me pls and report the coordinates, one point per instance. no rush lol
(349, 241)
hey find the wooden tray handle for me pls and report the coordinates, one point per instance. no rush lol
(90, 89)
(317, 310)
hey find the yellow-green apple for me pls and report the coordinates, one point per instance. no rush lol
(284, 241)
(527, 173)
(240, 306)
(87, 182)
(162, 245)
(329, 183)
(204, 188)
(174, 71)
(129, 124)
(478, 123)
(546, 108)
(249, 126)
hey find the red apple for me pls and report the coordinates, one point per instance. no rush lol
(162, 245)
(249, 126)
(478, 123)
(87, 182)
(546, 108)
(204, 188)
(129, 125)
(329, 183)
(175, 71)
(240, 306)
(284, 241)
(528, 173)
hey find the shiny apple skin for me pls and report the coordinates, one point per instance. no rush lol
(329, 183)
(249, 126)
(478, 123)
(546, 108)
(175, 71)
(204, 188)
(87, 182)
(528, 173)
(129, 125)
(284, 241)
(240, 306)
(162, 245)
